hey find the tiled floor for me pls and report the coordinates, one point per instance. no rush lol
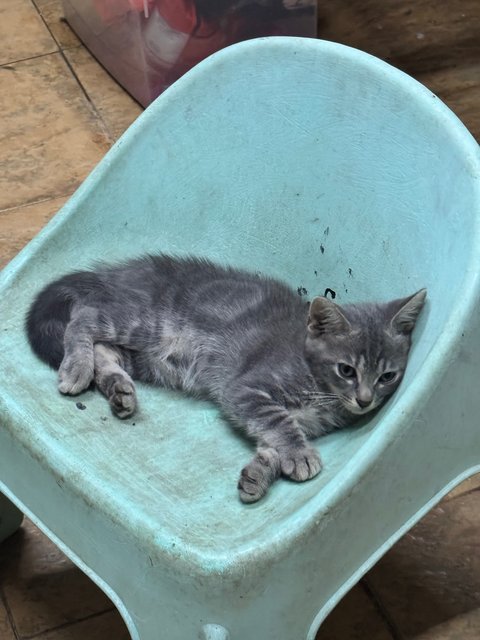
(60, 112)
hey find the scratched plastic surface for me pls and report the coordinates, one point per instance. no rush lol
(303, 159)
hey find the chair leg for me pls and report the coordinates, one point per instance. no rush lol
(10, 518)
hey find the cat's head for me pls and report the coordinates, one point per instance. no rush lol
(359, 352)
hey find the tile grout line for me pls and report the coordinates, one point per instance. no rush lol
(106, 130)
(90, 101)
(10, 618)
(29, 204)
(66, 625)
(381, 609)
(8, 65)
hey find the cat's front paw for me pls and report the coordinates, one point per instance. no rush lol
(75, 374)
(300, 463)
(258, 475)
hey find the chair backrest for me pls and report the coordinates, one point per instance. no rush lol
(300, 158)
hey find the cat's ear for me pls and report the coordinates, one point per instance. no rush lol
(326, 317)
(406, 312)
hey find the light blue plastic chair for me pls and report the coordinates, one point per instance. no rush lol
(315, 163)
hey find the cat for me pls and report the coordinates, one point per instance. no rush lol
(283, 370)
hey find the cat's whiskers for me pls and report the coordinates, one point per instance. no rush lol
(345, 399)
(327, 397)
(324, 394)
(324, 403)
(321, 398)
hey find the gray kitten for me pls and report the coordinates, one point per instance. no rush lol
(281, 369)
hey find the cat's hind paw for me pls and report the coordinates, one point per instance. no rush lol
(258, 475)
(300, 463)
(122, 397)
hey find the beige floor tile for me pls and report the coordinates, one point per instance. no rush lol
(42, 587)
(50, 137)
(354, 618)
(22, 32)
(6, 632)
(108, 626)
(117, 108)
(19, 225)
(464, 627)
(52, 13)
(433, 573)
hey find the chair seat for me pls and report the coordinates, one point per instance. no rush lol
(169, 473)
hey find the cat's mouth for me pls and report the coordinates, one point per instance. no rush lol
(353, 407)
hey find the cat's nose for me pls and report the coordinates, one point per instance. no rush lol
(364, 395)
(363, 402)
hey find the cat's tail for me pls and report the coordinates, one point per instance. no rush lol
(50, 313)
(46, 321)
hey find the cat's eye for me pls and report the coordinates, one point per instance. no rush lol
(388, 376)
(345, 370)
